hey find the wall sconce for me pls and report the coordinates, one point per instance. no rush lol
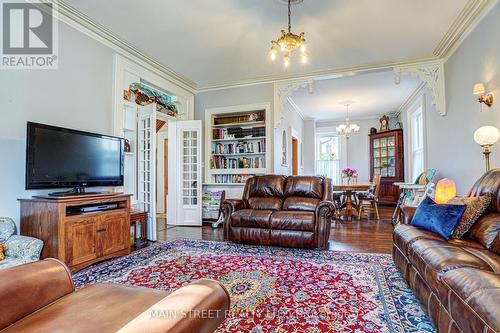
(479, 91)
(486, 137)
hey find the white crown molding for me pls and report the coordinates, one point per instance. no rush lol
(431, 73)
(283, 90)
(473, 12)
(297, 109)
(86, 25)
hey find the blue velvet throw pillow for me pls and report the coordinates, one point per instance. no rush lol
(439, 219)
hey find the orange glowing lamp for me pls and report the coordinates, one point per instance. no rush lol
(445, 191)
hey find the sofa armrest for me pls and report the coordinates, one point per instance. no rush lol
(228, 207)
(200, 307)
(27, 288)
(407, 214)
(325, 210)
(23, 247)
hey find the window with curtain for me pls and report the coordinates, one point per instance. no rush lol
(328, 157)
(417, 142)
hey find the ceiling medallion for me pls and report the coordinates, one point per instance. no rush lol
(289, 42)
(347, 128)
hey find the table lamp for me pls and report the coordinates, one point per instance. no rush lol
(486, 137)
(445, 191)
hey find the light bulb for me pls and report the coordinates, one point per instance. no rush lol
(303, 47)
(272, 53)
(282, 45)
(286, 60)
(303, 59)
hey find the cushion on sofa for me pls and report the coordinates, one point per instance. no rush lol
(301, 203)
(304, 186)
(265, 186)
(440, 219)
(251, 218)
(404, 235)
(265, 203)
(292, 220)
(495, 246)
(486, 229)
(471, 288)
(475, 208)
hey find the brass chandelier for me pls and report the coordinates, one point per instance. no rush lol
(289, 42)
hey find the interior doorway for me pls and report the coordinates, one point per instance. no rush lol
(295, 156)
(161, 174)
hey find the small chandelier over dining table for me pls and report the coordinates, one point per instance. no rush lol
(289, 42)
(347, 128)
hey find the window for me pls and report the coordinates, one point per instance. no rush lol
(417, 158)
(328, 157)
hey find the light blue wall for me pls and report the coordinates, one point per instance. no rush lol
(77, 95)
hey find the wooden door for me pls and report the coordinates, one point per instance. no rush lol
(112, 233)
(81, 244)
(295, 156)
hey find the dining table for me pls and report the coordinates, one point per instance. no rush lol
(349, 207)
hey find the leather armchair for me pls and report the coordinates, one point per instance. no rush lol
(40, 297)
(458, 281)
(293, 211)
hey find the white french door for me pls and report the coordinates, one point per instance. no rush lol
(185, 173)
(146, 165)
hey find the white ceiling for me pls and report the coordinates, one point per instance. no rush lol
(369, 94)
(226, 41)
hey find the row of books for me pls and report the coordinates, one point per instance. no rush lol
(222, 162)
(239, 148)
(230, 179)
(238, 132)
(254, 116)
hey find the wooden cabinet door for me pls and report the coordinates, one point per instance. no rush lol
(113, 233)
(81, 243)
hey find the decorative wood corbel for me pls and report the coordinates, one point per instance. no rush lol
(433, 75)
(283, 90)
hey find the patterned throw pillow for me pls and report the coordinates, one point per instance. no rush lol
(3, 247)
(475, 208)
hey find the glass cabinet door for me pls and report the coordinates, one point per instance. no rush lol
(190, 167)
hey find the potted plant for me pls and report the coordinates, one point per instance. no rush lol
(349, 173)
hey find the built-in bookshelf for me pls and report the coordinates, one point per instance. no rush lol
(237, 143)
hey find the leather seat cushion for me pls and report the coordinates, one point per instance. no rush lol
(486, 229)
(301, 203)
(265, 203)
(479, 290)
(304, 186)
(404, 235)
(250, 218)
(292, 220)
(79, 307)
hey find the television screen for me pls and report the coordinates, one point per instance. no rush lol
(59, 157)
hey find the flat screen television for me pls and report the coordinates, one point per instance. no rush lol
(65, 158)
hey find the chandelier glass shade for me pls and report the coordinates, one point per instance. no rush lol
(289, 42)
(347, 128)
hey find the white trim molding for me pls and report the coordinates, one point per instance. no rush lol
(432, 74)
(284, 90)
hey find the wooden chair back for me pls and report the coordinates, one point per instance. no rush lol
(376, 186)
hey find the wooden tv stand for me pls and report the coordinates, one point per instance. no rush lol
(79, 239)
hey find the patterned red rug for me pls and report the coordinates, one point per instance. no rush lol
(278, 290)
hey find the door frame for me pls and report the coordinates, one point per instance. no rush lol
(295, 156)
(160, 166)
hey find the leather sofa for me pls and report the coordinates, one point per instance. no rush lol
(40, 297)
(293, 211)
(457, 281)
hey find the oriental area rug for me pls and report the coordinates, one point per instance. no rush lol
(276, 289)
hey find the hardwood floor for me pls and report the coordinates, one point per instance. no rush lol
(374, 236)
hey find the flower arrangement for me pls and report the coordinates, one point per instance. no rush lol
(349, 172)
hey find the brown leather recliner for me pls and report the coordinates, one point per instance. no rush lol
(40, 297)
(457, 281)
(293, 211)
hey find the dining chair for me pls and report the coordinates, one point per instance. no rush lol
(368, 201)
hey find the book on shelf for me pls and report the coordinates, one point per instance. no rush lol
(243, 118)
(240, 147)
(238, 132)
(230, 179)
(223, 162)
